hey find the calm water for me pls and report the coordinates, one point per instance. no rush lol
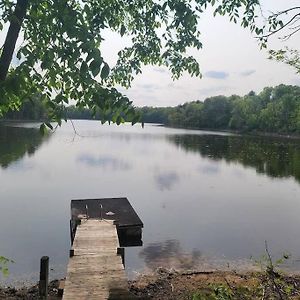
(206, 199)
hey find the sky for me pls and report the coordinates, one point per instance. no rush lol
(231, 62)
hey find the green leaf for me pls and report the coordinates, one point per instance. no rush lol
(43, 129)
(83, 68)
(5, 271)
(119, 120)
(19, 54)
(95, 67)
(123, 29)
(105, 71)
(136, 119)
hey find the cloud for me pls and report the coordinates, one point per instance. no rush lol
(216, 74)
(247, 73)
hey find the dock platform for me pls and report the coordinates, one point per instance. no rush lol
(129, 225)
(96, 264)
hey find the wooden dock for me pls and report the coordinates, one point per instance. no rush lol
(96, 265)
(129, 225)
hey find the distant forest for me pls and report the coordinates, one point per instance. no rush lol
(274, 110)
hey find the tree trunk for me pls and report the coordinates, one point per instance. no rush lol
(11, 37)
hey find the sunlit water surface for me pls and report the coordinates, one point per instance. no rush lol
(207, 200)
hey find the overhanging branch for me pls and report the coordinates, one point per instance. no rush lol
(12, 36)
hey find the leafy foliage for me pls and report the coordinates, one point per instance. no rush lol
(289, 56)
(284, 25)
(273, 110)
(4, 265)
(61, 59)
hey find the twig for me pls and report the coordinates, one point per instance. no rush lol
(232, 288)
(75, 131)
(284, 25)
(264, 293)
(271, 272)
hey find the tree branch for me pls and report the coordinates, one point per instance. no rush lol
(12, 36)
(285, 25)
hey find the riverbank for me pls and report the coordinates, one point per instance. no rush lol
(295, 136)
(166, 285)
(217, 285)
(29, 293)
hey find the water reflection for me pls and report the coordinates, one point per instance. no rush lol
(177, 181)
(271, 156)
(209, 169)
(103, 161)
(169, 254)
(16, 142)
(166, 180)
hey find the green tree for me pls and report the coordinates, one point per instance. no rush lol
(61, 59)
(216, 112)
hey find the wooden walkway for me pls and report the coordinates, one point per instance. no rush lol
(95, 271)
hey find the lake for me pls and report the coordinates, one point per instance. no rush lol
(208, 200)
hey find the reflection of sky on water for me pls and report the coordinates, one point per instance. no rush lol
(21, 166)
(209, 169)
(222, 200)
(104, 161)
(169, 254)
(166, 181)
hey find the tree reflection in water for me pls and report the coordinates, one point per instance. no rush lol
(169, 254)
(275, 157)
(16, 142)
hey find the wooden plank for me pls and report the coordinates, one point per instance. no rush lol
(96, 271)
(121, 208)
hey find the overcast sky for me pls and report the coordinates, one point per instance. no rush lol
(231, 63)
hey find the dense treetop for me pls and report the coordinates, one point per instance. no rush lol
(272, 110)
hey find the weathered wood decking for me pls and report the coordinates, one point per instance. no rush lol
(129, 225)
(95, 271)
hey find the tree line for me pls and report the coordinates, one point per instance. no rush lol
(275, 109)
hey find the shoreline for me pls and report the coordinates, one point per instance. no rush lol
(164, 284)
(292, 136)
(240, 132)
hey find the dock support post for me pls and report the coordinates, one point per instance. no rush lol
(44, 277)
(71, 231)
(121, 252)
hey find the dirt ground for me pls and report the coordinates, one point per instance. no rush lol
(166, 285)
(9, 293)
